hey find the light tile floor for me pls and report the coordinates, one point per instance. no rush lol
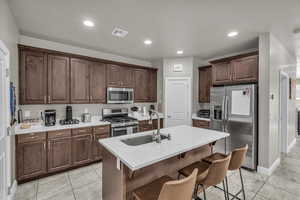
(85, 183)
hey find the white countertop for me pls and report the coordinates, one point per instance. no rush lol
(42, 128)
(183, 139)
(194, 116)
(140, 117)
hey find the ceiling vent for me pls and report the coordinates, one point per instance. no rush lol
(119, 32)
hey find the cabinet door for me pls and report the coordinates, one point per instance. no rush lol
(97, 147)
(81, 149)
(201, 123)
(141, 85)
(97, 82)
(152, 86)
(245, 69)
(58, 79)
(113, 76)
(33, 77)
(79, 81)
(127, 77)
(155, 124)
(59, 154)
(31, 159)
(221, 73)
(205, 83)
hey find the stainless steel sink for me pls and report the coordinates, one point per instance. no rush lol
(136, 141)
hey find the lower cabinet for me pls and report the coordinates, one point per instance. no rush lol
(201, 123)
(31, 155)
(39, 154)
(146, 125)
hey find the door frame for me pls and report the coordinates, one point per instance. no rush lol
(5, 93)
(283, 141)
(189, 81)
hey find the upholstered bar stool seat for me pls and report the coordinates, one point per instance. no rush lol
(202, 170)
(166, 188)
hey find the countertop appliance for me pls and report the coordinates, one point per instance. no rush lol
(119, 95)
(121, 123)
(86, 117)
(234, 110)
(69, 117)
(50, 117)
(204, 113)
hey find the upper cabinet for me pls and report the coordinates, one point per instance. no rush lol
(58, 79)
(239, 69)
(50, 77)
(205, 83)
(33, 81)
(79, 81)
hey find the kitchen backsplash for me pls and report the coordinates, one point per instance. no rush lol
(204, 106)
(34, 111)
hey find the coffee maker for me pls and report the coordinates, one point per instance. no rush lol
(50, 117)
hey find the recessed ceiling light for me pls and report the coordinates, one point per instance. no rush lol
(232, 34)
(179, 52)
(88, 23)
(147, 42)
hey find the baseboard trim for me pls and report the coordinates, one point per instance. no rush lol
(270, 170)
(12, 191)
(291, 145)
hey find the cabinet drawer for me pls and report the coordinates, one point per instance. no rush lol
(101, 130)
(200, 123)
(31, 137)
(82, 131)
(59, 134)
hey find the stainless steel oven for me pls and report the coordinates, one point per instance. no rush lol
(125, 130)
(119, 95)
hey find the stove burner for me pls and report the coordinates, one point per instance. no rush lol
(68, 122)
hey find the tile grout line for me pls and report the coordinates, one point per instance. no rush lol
(71, 186)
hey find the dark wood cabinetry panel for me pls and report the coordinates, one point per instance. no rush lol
(97, 147)
(221, 73)
(141, 85)
(245, 69)
(145, 125)
(201, 123)
(113, 75)
(33, 81)
(79, 81)
(205, 83)
(152, 86)
(127, 77)
(31, 159)
(81, 146)
(58, 79)
(97, 82)
(59, 154)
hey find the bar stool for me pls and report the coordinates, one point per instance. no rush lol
(209, 174)
(237, 158)
(166, 188)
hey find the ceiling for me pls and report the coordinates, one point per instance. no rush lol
(199, 27)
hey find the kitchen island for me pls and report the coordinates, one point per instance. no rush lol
(127, 167)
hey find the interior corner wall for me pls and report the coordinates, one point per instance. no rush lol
(9, 36)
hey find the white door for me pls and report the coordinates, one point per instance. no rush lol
(177, 101)
(284, 95)
(3, 125)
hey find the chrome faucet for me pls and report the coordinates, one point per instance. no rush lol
(156, 136)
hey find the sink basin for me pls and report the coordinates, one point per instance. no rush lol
(136, 141)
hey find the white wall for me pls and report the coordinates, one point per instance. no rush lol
(273, 57)
(9, 35)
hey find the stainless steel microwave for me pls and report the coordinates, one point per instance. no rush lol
(119, 95)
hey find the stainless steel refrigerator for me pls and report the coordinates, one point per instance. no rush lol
(234, 110)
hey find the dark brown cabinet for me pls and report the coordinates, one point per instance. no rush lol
(58, 79)
(119, 76)
(59, 150)
(31, 155)
(201, 123)
(127, 77)
(79, 81)
(97, 82)
(221, 73)
(152, 86)
(141, 93)
(239, 69)
(205, 83)
(81, 146)
(245, 69)
(146, 125)
(33, 81)
(99, 133)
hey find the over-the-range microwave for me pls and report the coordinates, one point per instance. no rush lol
(119, 95)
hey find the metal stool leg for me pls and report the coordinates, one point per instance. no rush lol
(204, 193)
(242, 182)
(224, 189)
(227, 187)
